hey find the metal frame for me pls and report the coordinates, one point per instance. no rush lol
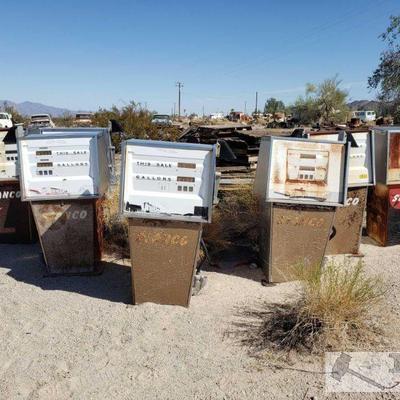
(176, 145)
(386, 130)
(20, 140)
(297, 201)
(371, 138)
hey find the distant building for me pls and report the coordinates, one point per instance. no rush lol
(217, 115)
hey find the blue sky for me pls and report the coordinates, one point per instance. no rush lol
(87, 54)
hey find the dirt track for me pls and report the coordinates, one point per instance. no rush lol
(79, 337)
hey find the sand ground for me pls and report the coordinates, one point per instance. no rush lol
(80, 338)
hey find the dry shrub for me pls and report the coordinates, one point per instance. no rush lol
(234, 220)
(337, 307)
(115, 226)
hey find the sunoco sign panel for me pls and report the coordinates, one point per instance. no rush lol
(164, 180)
(302, 171)
(59, 167)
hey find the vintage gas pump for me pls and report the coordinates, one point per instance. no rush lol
(347, 226)
(64, 175)
(299, 183)
(166, 194)
(16, 221)
(383, 206)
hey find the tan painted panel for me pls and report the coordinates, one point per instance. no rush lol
(163, 257)
(299, 235)
(347, 224)
(69, 235)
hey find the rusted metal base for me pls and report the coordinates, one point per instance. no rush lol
(293, 236)
(347, 225)
(163, 257)
(383, 214)
(71, 235)
(16, 220)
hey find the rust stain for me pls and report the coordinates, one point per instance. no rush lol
(347, 224)
(163, 260)
(69, 235)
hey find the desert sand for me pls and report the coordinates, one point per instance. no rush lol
(80, 337)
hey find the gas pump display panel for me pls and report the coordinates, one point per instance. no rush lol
(361, 171)
(164, 180)
(59, 167)
(302, 171)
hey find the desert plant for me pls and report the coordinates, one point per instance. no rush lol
(136, 123)
(115, 226)
(335, 308)
(234, 220)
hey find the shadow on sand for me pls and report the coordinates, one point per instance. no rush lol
(26, 265)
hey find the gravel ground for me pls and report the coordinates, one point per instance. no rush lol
(79, 337)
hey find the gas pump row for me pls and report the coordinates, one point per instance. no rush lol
(312, 189)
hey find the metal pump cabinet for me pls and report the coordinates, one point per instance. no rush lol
(166, 193)
(65, 174)
(16, 220)
(383, 211)
(299, 183)
(345, 237)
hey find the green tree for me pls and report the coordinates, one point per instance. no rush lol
(16, 116)
(324, 102)
(386, 78)
(273, 106)
(136, 123)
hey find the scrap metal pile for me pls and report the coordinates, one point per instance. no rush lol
(237, 153)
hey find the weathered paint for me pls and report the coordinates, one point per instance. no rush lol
(163, 257)
(307, 172)
(383, 214)
(394, 158)
(347, 225)
(70, 233)
(293, 235)
(16, 221)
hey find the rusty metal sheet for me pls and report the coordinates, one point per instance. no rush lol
(16, 220)
(70, 233)
(347, 225)
(394, 158)
(163, 257)
(298, 235)
(383, 214)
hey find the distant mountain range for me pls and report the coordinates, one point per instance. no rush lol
(364, 105)
(27, 108)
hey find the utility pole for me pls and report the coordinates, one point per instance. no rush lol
(245, 107)
(179, 85)
(203, 111)
(256, 110)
